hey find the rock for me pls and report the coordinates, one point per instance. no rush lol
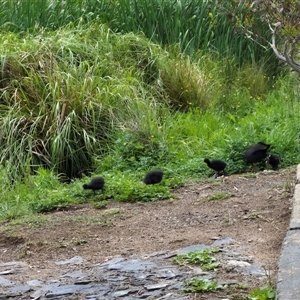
(7, 272)
(223, 241)
(5, 282)
(156, 286)
(123, 293)
(191, 248)
(72, 261)
(34, 282)
(237, 263)
(19, 289)
(75, 274)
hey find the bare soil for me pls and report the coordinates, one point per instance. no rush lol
(256, 216)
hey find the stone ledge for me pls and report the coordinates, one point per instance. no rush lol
(295, 217)
(288, 281)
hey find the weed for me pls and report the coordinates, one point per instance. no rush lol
(289, 186)
(264, 293)
(100, 204)
(220, 196)
(202, 285)
(201, 257)
(78, 242)
(112, 211)
(241, 286)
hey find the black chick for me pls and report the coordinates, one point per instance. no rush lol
(274, 161)
(256, 153)
(153, 177)
(217, 165)
(95, 184)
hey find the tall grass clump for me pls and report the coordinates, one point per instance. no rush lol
(60, 92)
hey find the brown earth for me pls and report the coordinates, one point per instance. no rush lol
(256, 216)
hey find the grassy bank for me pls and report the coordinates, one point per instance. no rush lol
(189, 24)
(84, 100)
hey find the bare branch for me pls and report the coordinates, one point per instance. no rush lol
(273, 44)
(289, 58)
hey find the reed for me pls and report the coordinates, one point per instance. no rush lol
(191, 24)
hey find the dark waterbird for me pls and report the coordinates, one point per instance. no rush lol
(217, 165)
(153, 177)
(95, 184)
(274, 161)
(257, 153)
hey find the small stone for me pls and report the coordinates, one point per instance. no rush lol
(13, 264)
(34, 282)
(7, 272)
(75, 274)
(223, 241)
(123, 293)
(156, 286)
(5, 282)
(237, 263)
(72, 261)
(19, 289)
(191, 248)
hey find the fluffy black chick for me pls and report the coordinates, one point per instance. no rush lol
(153, 177)
(95, 184)
(217, 165)
(274, 161)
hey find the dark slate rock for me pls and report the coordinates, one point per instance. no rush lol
(123, 293)
(38, 294)
(70, 289)
(72, 261)
(176, 286)
(156, 286)
(151, 294)
(116, 278)
(223, 241)
(168, 273)
(75, 274)
(191, 248)
(131, 265)
(111, 262)
(5, 282)
(34, 282)
(19, 289)
(16, 264)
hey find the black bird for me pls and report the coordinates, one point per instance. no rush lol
(274, 161)
(216, 164)
(257, 153)
(153, 177)
(95, 184)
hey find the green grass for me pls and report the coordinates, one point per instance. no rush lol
(219, 196)
(189, 24)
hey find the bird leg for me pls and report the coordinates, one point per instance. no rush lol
(267, 164)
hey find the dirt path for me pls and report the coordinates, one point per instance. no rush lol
(256, 216)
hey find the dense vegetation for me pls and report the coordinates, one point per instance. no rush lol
(87, 89)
